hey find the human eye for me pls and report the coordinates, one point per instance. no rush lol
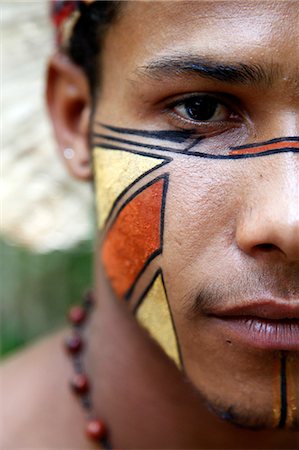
(205, 112)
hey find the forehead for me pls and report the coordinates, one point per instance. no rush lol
(229, 29)
(258, 32)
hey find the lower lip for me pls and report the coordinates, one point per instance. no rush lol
(261, 333)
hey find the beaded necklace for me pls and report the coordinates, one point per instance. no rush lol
(96, 430)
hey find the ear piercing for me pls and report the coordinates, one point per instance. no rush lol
(68, 153)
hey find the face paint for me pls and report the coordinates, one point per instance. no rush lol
(131, 187)
(276, 393)
(116, 173)
(271, 147)
(136, 236)
(284, 393)
(176, 142)
(153, 313)
(291, 397)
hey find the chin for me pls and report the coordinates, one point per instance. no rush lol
(241, 417)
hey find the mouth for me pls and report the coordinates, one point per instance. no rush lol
(264, 325)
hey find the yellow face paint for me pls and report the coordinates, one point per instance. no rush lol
(115, 173)
(134, 201)
(153, 313)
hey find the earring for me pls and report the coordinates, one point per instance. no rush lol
(68, 153)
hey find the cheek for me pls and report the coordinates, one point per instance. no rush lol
(202, 204)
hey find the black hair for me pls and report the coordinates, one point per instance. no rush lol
(85, 44)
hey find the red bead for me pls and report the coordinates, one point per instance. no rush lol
(73, 344)
(77, 315)
(80, 384)
(96, 429)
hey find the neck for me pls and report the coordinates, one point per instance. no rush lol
(145, 400)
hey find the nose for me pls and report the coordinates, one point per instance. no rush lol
(269, 218)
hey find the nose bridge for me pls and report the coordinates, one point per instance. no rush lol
(270, 218)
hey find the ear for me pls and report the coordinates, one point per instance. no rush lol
(69, 105)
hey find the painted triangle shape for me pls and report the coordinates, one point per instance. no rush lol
(154, 315)
(134, 237)
(115, 171)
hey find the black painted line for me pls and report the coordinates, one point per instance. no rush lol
(173, 325)
(134, 143)
(130, 291)
(148, 288)
(208, 155)
(162, 211)
(157, 252)
(179, 136)
(118, 198)
(283, 392)
(267, 152)
(117, 147)
(129, 150)
(136, 193)
(193, 144)
(271, 141)
(141, 299)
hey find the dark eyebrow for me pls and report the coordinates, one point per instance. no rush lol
(239, 73)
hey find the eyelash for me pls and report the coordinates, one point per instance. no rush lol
(207, 127)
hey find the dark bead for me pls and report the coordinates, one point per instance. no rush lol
(86, 402)
(77, 315)
(88, 299)
(96, 430)
(74, 344)
(80, 384)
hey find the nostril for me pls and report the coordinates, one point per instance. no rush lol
(267, 250)
(266, 247)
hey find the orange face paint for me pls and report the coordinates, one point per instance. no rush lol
(135, 237)
(252, 149)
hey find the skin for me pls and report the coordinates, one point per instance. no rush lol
(231, 227)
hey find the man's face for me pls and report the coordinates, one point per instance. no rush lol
(215, 228)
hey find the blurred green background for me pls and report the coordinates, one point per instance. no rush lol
(37, 289)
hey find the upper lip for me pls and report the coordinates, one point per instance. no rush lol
(264, 309)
